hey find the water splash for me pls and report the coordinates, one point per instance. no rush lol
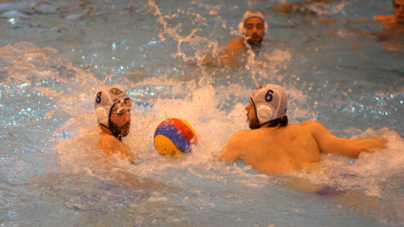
(200, 44)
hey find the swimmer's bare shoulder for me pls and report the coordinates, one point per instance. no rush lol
(111, 145)
(233, 147)
(235, 45)
(108, 143)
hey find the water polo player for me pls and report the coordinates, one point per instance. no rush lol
(252, 29)
(395, 21)
(393, 28)
(391, 22)
(273, 146)
(113, 110)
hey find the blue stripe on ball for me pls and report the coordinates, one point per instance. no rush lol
(175, 136)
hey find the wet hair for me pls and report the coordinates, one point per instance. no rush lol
(283, 122)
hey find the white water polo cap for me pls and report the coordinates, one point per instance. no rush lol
(105, 101)
(247, 15)
(270, 103)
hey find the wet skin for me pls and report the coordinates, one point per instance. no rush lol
(275, 150)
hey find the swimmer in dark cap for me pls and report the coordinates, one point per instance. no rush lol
(113, 110)
(274, 146)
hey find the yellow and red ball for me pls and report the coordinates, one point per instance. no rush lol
(174, 136)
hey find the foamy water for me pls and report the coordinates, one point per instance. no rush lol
(53, 174)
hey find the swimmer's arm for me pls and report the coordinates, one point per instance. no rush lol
(231, 151)
(364, 19)
(390, 18)
(377, 18)
(225, 56)
(330, 144)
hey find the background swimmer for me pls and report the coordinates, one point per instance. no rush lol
(396, 21)
(274, 146)
(392, 35)
(253, 28)
(113, 109)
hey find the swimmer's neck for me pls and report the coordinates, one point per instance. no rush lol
(268, 126)
(104, 130)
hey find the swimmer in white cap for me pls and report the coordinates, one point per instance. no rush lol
(252, 29)
(113, 110)
(274, 146)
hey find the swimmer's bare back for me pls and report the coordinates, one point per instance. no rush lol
(292, 148)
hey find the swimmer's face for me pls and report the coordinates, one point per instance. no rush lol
(399, 10)
(120, 118)
(254, 28)
(251, 118)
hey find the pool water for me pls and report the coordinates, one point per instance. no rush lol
(55, 56)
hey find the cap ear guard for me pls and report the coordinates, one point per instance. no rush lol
(102, 116)
(241, 28)
(264, 114)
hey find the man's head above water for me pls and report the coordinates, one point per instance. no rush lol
(113, 110)
(399, 10)
(268, 107)
(253, 25)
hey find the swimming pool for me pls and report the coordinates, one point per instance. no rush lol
(53, 61)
